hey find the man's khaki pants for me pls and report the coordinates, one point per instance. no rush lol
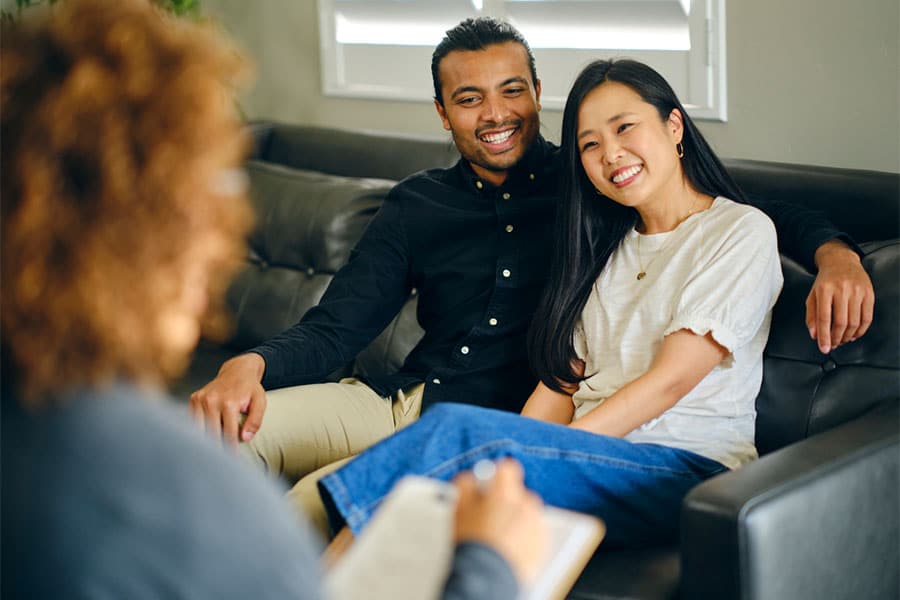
(308, 431)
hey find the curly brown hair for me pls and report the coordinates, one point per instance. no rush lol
(117, 126)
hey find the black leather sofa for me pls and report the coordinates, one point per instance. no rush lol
(816, 517)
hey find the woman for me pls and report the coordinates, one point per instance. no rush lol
(647, 388)
(122, 216)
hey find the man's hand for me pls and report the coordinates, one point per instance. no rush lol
(505, 516)
(236, 390)
(840, 305)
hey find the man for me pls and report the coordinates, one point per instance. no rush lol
(473, 240)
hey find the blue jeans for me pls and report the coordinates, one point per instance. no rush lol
(636, 489)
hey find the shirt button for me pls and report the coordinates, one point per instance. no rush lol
(436, 381)
(509, 229)
(506, 196)
(507, 273)
(464, 349)
(493, 322)
(479, 185)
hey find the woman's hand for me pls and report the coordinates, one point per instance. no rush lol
(505, 516)
(545, 404)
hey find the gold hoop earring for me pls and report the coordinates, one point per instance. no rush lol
(679, 150)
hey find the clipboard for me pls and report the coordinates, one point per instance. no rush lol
(406, 550)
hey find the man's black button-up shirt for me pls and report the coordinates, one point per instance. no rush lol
(478, 256)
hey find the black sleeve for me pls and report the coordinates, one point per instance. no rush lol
(359, 303)
(479, 573)
(800, 230)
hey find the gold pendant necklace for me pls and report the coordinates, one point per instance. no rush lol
(643, 272)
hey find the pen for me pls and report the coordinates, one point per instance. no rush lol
(484, 471)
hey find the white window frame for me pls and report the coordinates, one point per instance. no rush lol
(703, 89)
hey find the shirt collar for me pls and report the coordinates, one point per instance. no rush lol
(534, 166)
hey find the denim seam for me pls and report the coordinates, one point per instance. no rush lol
(548, 452)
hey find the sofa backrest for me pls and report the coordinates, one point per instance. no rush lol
(865, 204)
(316, 189)
(307, 223)
(350, 153)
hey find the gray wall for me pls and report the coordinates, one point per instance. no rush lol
(810, 81)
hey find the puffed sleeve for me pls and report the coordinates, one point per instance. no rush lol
(735, 283)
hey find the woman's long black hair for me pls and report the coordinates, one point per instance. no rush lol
(589, 227)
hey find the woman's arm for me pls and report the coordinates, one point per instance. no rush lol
(683, 360)
(545, 404)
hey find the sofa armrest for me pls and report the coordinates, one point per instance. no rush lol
(818, 519)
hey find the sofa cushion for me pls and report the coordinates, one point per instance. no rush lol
(307, 223)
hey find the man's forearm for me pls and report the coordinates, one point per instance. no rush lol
(835, 250)
(802, 231)
(298, 356)
(252, 363)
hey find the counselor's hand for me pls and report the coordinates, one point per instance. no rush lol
(505, 516)
(840, 305)
(236, 390)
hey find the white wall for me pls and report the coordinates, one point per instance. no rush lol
(810, 81)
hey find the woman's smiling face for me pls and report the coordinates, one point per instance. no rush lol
(627, 151)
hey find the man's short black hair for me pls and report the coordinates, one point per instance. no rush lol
(476, 34)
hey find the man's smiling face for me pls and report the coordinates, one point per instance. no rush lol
(491, 106)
